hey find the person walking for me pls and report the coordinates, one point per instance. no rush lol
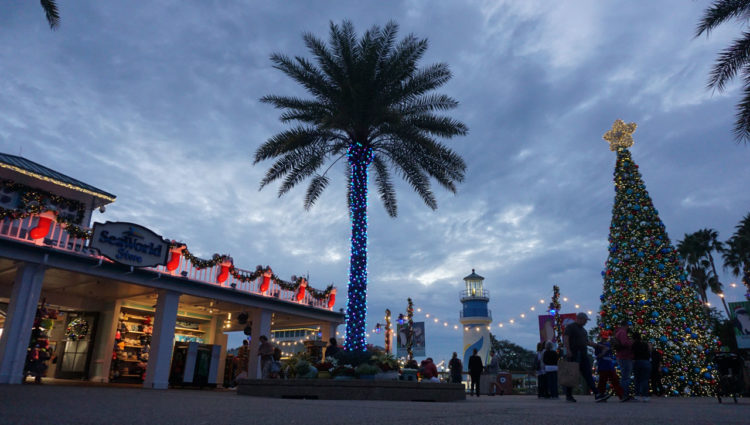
(541, 381)
(656, 358)
(475, 371)
(624, 353)
(265, 351)
(641, 366)
(456, 369)
(550, 358)
(576, 341)
(605, 365)
(492, 369)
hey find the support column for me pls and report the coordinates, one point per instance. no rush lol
(24, 299)
(261, 325)
(162, 340)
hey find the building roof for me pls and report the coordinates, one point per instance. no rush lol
(473, 276)
(31, 168)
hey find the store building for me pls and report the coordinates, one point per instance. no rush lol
(118, 303)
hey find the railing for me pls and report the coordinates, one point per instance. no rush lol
(58, 238)
(467, 315)
(474, 293)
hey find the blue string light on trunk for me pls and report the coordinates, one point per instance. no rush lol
(359, 158)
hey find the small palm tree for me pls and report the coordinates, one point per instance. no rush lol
(372, 107)
(696, 250)
(737, 254)
(50, 11)
(732, 60)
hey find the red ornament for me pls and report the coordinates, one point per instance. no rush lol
(332, 298)
(174, 259)
(224, 273)
(266, 280)
(301, 289)
(42, 227)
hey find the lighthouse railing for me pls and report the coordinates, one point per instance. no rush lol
(473, 293)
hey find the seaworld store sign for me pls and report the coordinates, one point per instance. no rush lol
(130, 244)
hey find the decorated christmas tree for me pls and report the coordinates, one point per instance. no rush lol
(644, 281)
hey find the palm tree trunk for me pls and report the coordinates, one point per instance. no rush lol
(356, 309)
(713, 269)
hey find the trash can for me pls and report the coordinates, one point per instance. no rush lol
(505, 383)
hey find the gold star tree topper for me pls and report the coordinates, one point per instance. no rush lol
(620, 136)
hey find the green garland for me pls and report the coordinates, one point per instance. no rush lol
(245, 277)
(555, 305)
(33, 202)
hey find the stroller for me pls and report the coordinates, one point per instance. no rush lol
(731, 380)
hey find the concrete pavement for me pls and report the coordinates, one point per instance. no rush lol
(83, 405)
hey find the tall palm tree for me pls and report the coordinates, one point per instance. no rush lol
(733, 59)
(737, 254)
(50, 11)
(372, 106)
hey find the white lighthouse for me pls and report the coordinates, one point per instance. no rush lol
(476, 318)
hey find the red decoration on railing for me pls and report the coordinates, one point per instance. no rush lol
(266, 280)
(42, 227)
(174, 259)
(224, 273)
(301, 289)
(332, 298)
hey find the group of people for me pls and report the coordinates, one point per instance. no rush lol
(625, 348)
(269, 356)
(476, 369)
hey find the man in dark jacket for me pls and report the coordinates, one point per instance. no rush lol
(475, 371)
(576, 342)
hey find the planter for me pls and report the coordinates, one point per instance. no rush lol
(324, 374)
(391, 375)
(367, 377)
(343, 378)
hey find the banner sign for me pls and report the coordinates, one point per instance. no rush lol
(129, 244)
(418, 340)
(740, 312)
(547, 325)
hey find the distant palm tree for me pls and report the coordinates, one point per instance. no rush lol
(371, 105)
(733, 59)
(696, 250)
(737, 254)
(50, 10)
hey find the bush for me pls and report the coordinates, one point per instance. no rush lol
(366, 369)
(354, 358)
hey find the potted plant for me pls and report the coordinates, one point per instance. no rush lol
(343, 372)
(388, 365)
(366, 371)
(324, 369)
(304, 370)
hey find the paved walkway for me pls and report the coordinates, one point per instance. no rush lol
(83, 405)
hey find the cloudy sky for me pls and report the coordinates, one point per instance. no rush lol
(158, 104)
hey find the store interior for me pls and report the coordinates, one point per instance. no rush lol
(99, 330)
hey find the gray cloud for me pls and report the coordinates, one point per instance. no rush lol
(159, 105)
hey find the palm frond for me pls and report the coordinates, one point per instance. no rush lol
(51, 12)
(730, 60)
(412, 174)
(287, 141)
(313, 158)
(385, 186)
(303, 72)
(719, 12)
(742, 117)
(316, 187)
